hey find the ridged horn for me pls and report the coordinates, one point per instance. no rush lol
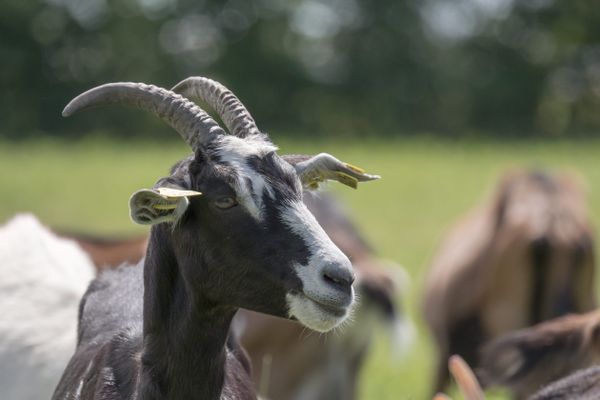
(190, 121)
(234, 114)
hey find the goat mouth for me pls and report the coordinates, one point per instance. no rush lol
(320, 315)
(335, 310)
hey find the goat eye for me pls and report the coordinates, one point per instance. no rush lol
(226, 202)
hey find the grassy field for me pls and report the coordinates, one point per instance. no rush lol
(426, 185)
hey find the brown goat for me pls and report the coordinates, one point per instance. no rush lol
(110, 252)
(524, 257)
(525, 360)
(290, 362)
(583, 384)
(580, 385)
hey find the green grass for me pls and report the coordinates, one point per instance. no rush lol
(426, 185)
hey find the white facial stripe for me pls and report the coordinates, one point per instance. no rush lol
(235, 151)
(303, 223)
(322, 251)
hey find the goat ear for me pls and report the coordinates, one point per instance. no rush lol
(314, 170)
(162, 204)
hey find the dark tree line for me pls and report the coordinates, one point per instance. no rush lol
(336, 67)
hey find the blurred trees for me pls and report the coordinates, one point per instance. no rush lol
(336, 67)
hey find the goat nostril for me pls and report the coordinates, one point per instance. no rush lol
(337, 275)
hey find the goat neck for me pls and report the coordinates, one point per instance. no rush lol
(184, 336)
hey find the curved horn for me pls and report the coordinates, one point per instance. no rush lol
(234, 114)
(189, 120)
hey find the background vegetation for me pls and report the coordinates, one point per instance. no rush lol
(426, 185)
(335, 67)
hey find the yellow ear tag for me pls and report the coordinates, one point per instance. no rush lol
(354, 168)
(175, 193)
(347, 180)
(171, 194)
(165, 206)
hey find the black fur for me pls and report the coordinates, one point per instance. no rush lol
(166, 335)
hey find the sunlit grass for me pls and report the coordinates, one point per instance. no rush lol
(426, 185)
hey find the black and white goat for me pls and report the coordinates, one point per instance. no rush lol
(287, 363)
(229, 230)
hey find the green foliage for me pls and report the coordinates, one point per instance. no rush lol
(345, 67)
(426, 185)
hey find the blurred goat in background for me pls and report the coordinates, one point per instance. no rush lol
(528, 359)
(523, 257)
(42, 280)
(581, 385)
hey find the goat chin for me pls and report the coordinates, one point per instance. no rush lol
(314, 315)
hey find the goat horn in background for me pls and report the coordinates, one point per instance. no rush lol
(465, 378)
(234, 114)
(189, 120)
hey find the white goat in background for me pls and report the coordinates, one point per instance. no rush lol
(42, 279)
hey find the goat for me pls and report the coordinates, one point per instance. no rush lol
(43, 278)
(581, 385)
(109, 252)
(287, 362)
(229, 230)
(525, 257)
(527, 359)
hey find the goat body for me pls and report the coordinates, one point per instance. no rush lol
(527, 359)
(287, 361)
(581, 385)
(43, 278)
(525, 257)
(109, 252)
(116, 297)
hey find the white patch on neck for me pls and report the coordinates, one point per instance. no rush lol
(235, 151)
